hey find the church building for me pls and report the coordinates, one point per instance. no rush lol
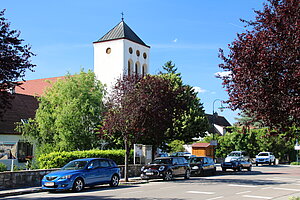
(119, 52)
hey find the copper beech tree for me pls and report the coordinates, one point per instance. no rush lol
(141, 106)
(14, 61)
(264, 66)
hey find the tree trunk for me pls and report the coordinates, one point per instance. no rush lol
(127, 151)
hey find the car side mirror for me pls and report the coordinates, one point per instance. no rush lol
(90, 167)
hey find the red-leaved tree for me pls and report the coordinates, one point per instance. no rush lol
(141, 107)
(14, 61)
(264, 66)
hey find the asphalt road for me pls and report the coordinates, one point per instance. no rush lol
(264, 182)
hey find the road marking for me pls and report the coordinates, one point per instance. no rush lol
(243, 192)
(220, 197)
(288, 189)
(266, 188)
(250, 186)
(257, 197)
(199, 192)
(163, 188)
(133, 192)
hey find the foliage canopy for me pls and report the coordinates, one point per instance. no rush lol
(14, 61)
(68, 113)
(264, 66)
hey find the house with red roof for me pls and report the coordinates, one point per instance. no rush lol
(23, 106)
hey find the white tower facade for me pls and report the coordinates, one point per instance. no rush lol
(120, 52)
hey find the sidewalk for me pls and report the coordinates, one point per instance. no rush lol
(19, 191)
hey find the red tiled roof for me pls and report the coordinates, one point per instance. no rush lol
(24, 104)
(201, 145)
(22, 107)
(36, 87)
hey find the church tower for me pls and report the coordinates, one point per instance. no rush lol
(120, 52)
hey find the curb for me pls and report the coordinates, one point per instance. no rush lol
(19, 192)
(13, 192)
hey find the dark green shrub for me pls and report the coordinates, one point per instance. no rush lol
(59, 159)
(295, 163)
(2, 167)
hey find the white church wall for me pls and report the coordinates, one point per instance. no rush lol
(134, 57)
(108, 66)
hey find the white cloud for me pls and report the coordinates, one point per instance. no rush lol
(175, 40)
(223, 74)
(199, 90)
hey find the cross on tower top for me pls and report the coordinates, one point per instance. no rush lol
(122, 16)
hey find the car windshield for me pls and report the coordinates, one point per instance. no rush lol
(234, 154)
(196, 160)
(75, 165)
(162, 161)
(263, 154)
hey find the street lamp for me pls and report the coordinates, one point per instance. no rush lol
(214, 143)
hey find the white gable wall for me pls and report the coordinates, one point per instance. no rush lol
(109, 67)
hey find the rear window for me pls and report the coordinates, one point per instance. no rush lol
(112, 163)
(162, 161)
(263, 154)
(196, 160)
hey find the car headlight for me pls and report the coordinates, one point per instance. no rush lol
(142, 169)
(195, 167)
(66, 177)
(161, 168)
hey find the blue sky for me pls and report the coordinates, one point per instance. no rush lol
(189, 33)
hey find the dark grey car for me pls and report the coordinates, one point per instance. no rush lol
(166, 168)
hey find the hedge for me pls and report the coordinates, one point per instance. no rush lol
(2, 167)
(59, 159)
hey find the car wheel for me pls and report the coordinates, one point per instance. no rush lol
(168, 176)
(256, 164)
(239, 168)
(187, 174)
(114, 182)
(214, 172)
(201, 172)
(78, 185)
(223, 169)
(249, 168)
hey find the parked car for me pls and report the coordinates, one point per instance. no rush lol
(166, 168)
(202, 165)
(234, 155)
(237, 164)
(83, 172)
(265, 158)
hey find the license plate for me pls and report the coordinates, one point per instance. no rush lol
(47, 184)
(149, 173)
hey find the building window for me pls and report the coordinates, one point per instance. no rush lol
(137, 52)
(130, 66)
(144, 70)
(108, 50)
(144, 55)
(130, 50)
(137, 68)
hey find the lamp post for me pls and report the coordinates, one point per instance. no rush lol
(214, 143)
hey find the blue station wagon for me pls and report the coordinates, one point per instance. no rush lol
(83, 172)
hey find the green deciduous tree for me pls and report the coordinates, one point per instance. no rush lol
(192, 123)
(68, 113)
(256, 140)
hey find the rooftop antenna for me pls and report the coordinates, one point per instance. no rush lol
(122, 16)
